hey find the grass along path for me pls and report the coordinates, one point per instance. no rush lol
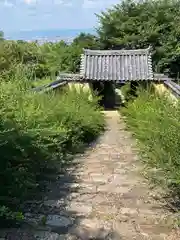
(100, 196)
(38, 131)
(155, 122)
(42, 82)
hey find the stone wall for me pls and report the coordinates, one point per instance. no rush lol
(161, 89)
(85, 87)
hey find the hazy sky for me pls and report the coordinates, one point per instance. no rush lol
(18, 15)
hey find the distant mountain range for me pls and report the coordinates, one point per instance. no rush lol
(46, 34)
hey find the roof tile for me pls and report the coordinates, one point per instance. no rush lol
(116, 65)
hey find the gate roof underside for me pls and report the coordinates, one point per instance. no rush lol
(116, 65)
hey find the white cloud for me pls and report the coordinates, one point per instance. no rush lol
(62, 2)
(98, 4)
(30, 1)
(17, 15)
(69, 4)
(8, 4)
(58, 2)
(91, 3)
(48, 2)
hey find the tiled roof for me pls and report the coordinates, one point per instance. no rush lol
(116, 65)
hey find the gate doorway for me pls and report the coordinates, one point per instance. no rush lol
(106, 91)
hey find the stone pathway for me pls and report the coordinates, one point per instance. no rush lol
(100, 196)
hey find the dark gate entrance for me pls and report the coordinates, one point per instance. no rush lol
(106, 91)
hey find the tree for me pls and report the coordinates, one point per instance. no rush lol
(1, 35)
(86, 41)
(45, 60)
(139, 24)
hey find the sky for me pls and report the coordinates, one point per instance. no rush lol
(23, 15)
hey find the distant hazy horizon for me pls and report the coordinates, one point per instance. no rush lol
(79, 15)
(49, 34)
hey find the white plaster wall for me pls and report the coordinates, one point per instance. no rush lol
(85, 87)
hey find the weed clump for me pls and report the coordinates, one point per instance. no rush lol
(37, 131)
(155, 122)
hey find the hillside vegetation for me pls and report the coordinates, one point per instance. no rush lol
(128, 25)
(155, 123)
(140, 24)
(45, 60)
(38, 130)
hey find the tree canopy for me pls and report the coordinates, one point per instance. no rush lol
(87, 41)
(47, 59)
(140, 24)
(39, 130)
(128, 25)
(1, 35)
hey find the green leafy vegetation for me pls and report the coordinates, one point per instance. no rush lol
(155, 123)
(128, 25)
(47, 60)
(140, 24)
(43, 81)
(38, 130)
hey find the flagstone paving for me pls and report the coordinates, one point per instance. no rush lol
(100, 196)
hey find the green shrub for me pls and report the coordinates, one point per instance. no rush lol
(36, 132)
(155, 122)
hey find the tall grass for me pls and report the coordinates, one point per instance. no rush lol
(155, 122)
(43, 81)
(37, 131)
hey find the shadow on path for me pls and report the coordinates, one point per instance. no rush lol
(99, 196)
(59, 210)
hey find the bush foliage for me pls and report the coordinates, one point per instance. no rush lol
(45, 60)
(37, 130)
(155, 122)
(128, 25)
(140, 24)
